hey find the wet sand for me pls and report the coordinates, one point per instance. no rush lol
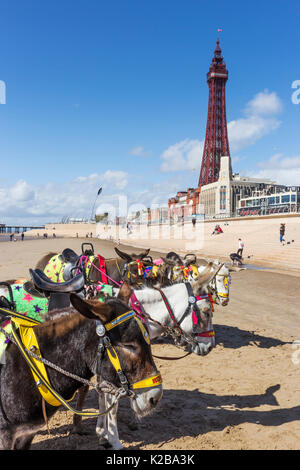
(244, 395)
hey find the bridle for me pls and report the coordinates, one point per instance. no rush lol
(214, 288)
(28, 346)
(105, 344)
(127, 273)
(176, 331)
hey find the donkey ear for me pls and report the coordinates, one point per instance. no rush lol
(122, 255)
(144, 254)
(125, 292)
(92, 309)
(205, 276)
(208, 274)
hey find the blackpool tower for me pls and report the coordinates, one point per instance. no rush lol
(216, 139)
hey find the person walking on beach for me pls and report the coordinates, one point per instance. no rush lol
(22, 236)
(241, 247)
(282, 232)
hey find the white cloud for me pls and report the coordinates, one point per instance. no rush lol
(21, 191)
(264, 103)
(184, 155)
(283, 170)
(139, 151)
(53, 201)
(259, 120)
(246, 131)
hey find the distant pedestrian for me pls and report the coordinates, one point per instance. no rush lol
(282, 232)
(241, 247)
(194, 222)
(22, 236)
(11, 237)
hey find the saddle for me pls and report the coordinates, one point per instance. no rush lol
(70, 259)
(69, 256)
(59, 294)
(43, 283)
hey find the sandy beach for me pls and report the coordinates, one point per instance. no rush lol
(244, 395)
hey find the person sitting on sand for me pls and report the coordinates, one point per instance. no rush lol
(217, 230)
(235, 258)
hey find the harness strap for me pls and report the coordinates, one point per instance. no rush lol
(169, 309)
(102, 269)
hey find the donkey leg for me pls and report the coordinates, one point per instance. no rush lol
(77, 420)
(107, 426)
(6, 439)
(23, 443)
(101, 426)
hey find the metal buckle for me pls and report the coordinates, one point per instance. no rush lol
(100, 329)
(192, 299)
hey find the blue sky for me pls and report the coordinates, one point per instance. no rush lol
(114, 94)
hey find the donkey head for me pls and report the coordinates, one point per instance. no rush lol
(131, 344)
(219, 285)
(133, 268)
(204, 325)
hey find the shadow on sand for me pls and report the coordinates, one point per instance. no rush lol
(233, 337)
(181, 413)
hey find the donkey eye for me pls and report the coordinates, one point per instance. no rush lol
(130, 346)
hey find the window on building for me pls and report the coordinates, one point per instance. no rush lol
(285, 198)
(223, 198)
(293, 197)
(271, 200)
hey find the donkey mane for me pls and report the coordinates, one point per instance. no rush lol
(59, 321)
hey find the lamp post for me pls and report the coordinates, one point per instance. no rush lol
(98, 193)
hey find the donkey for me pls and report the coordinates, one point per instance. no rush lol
(71, 340)
(112, 271)
(154, 306)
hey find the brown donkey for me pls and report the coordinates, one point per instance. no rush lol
(70, 339)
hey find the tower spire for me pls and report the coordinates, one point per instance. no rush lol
(216, 138)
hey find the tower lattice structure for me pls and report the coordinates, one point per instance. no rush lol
(216, 138)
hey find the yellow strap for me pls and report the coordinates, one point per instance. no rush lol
(143, 329)
(113, 357)
(29, 340)
(152, 381)
(20, 316)
(120, 319)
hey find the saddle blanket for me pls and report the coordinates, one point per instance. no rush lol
(26, 304)
(36, 308)
(54, 269)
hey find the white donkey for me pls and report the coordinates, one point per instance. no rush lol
(183, 299)
(219, 286)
